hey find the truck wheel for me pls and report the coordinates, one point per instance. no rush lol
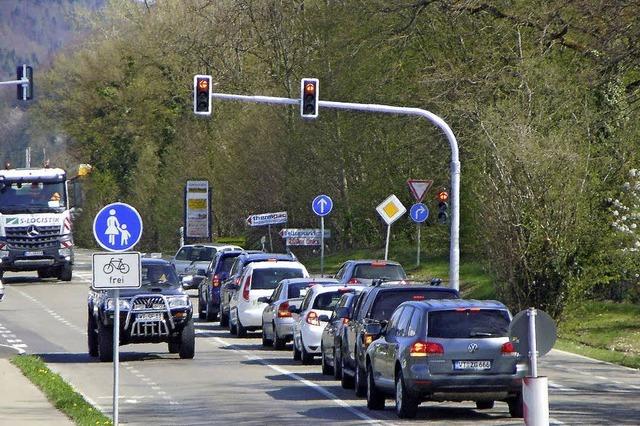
(174, 346)
(65, 272)
(92, 336)
(187, 342)
(105, 343)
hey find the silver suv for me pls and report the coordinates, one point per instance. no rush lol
(445, 350)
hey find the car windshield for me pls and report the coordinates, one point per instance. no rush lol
(36, 197)
(468, 323)
(388, 301)
(268, 278)
(159, 275)
(376, 271)
(196, 254)
(327, 301)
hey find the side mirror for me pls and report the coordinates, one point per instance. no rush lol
(323, 318)
(342, 312)
(373, 329)
(264, 299)
(294, 309)
(187, 281)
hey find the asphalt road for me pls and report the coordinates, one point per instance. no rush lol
(234, 380)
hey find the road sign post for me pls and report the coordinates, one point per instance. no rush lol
(454, 254)
(418, 213)
(117, 227)
(391, 209)
(322, 206)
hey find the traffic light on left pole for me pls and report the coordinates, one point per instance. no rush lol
(309, 94)
(202, 94)
(25, 91)
(443, 207)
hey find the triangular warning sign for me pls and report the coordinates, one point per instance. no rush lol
(419, 188)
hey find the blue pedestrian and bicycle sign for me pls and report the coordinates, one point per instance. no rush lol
(117, 227)
(322, 205)
(419, 212)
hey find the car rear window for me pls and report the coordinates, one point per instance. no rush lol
(376, 271)
(227, 262)
(196, 254)
(268, 279)
(468, 323)
(387, 301)
(327, 301)
(296, 290)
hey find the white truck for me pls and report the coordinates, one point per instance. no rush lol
(35, 222)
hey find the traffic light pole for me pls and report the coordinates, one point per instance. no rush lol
(14, 82)
(454, 251)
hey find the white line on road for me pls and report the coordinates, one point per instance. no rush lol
(304, 381)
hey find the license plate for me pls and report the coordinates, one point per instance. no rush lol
(472, 365)
(33, 253)
(155, 316)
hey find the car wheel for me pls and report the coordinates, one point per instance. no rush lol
(516, 409)
(224, 319)
(360, 384)
(305, 356)
(265, 342)
(406, 407)
(201, 314)
(484, 405)
(326, 369)
(278, 343)
(296, 352)
(346, 381)
(337, 371)
(375, 398)
(187, 341)
(92, 336)
(240, 330)
(105, 343)
(211, 315)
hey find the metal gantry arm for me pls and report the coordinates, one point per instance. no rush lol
(454, 250)
(22, 81)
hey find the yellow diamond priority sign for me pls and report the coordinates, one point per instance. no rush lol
(391, 209)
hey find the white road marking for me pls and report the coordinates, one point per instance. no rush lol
(304, 381)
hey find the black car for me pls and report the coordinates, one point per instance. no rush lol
(159, 311)
(375, 305)
(209, 286)
(230, 286)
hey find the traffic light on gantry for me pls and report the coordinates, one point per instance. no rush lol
(443, 207)
(309, 88)
(202, 94)
(25, 91)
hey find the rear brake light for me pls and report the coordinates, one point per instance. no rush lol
(468, 309)
(215, 281)
(379, 263)
(345, 321)
(426, 349)
(418, 297)
(508, 349)
(312, 318)
(354, 281)
(345, 290)
(245, 290)
(283, 310)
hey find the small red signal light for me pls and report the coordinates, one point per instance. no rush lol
(309, 89)
(443, 196)
(203, 84)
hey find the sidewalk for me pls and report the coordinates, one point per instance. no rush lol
(21, 402)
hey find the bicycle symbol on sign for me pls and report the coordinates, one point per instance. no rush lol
(116, 264)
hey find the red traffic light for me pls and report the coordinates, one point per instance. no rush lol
(203, 84)
(443, 196)
(309, 88)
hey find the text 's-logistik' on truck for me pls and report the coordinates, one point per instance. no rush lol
(35, 221)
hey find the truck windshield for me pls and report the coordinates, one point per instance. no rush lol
(33, 197)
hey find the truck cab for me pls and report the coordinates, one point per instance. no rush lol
(35, 222)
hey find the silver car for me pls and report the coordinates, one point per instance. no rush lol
(445, 350)
(277, 321)
(193, 259)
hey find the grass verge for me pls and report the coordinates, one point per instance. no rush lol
(60, 393)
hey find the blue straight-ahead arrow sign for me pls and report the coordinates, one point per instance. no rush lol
(322, 205)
